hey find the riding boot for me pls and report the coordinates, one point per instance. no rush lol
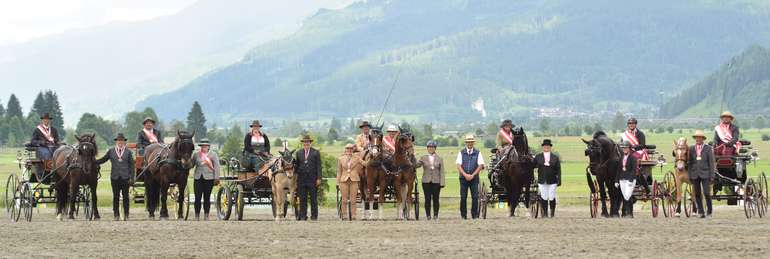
(552, 203)
(206, 217)
(544, 208)
(197, 216)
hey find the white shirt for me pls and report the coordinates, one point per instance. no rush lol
(459, 159)
(547, 158)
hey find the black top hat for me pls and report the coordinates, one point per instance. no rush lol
(546, 142)
(120, 136)
(364, 124)
(255, 123)
(46, 116)
(148, 119)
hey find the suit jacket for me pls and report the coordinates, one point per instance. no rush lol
(630, 173)
(248, 148)
(361, 142)
(142, 141)
(202, 170)
(121, 170)
(307, 170)
(352, 171)
(704, 168)
(431, 175)
(548, 174)
(736, 135)
(39, 140)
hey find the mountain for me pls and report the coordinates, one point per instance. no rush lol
(513, 56)
(742, 85)
(112, 67)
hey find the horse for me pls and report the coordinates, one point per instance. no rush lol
(280, 171)
(604, 156)
(375, 174)
(405, 175)
(518, 169)
(76, 166)
(166, 165)
(681, 158)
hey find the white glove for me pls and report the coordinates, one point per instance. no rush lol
(617, 185)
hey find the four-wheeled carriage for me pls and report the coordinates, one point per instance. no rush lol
(496, 193)
(733, 184)
(239, 187)
(27, 190)
(390, 192)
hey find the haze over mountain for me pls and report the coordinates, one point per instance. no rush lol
(107, 69)
(589, 56)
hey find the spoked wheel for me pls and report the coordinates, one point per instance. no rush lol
(12, 197)
(84, 198)
(688, 202)
(593, 201)
(483, 200)
(224, 203)
(27, 199)
(655, 199)
(668, 198)
(749, 203)
(239, 205)
(174, 195)
(762, 201)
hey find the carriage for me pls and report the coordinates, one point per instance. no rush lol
(496, 193)
(28, 190)
(138, 190)
(239, 187)
(733, 185)
(390, 192)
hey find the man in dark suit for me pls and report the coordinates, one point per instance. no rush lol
(46, 139)
(626, 179)
(147, 136)
(548, 177)
(121, 175)
(308, 169)
(702, 169)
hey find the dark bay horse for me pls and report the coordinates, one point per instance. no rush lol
(518, 168)
(374, 173)
(404, 175)
(76, 166)
(604, 156)
(167, 165)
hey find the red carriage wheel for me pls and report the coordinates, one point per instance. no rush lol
(654, 199)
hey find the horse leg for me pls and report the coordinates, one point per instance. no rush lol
(73, 193)
(182, 185)
(381, 199)
(61, 201)
(163, 197)
(152, 198)
(399, 197)
(603, 197)
(93, 201)
(615, 199)
(678, 189)
(408, 196)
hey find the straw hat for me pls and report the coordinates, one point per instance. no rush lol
(727, 114)
(470, 138)
(392, 128)
(306, 138)
(699, 134)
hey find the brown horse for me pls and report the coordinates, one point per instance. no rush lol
(405, 175)
(281, 173)
(76, 166)
(519, 169)
(167, 165)
(681, 158)
(604, 156)
(375, 175)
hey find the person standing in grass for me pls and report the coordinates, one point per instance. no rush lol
(121, 175)
(548, 178)
(206, 175)
(350, 167)
(432, 179)
(469, 162)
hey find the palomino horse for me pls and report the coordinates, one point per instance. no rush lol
(405, 174)
(280, 170)
(76, 166)
(681, 158)
(604, 156)
(374, 158)
(519, 169)
(167, 165)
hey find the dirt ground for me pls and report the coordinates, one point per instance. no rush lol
(571, 234)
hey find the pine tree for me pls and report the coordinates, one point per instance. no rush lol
(38, 107)
(333, 135)
(196, 121)
(53, 107)
(336, 124)
(13, 109)
(2, 111)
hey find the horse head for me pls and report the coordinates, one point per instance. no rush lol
(599, 151)
(375, 141)
(681, 153)
(183, 146)
(287, 160)
(87, 150)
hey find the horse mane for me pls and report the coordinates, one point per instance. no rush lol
(599, 134)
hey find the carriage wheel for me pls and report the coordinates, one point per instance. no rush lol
(11, 197)
(688, 202)
(763, 193)
(85, 199)
(416, 201)
(224, 203)
(655, 198)
(239, 205)
(668, 198)
(483, 199)
(593, 200)
(749, 206)
(27, 199)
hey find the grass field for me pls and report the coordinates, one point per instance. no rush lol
(573, 191)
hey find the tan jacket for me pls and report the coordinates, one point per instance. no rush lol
(352, 170)
(432, 173)
(501, 142)
(361, 142)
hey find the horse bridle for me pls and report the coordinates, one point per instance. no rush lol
(601, 152)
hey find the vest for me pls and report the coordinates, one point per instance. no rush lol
(470, 162)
